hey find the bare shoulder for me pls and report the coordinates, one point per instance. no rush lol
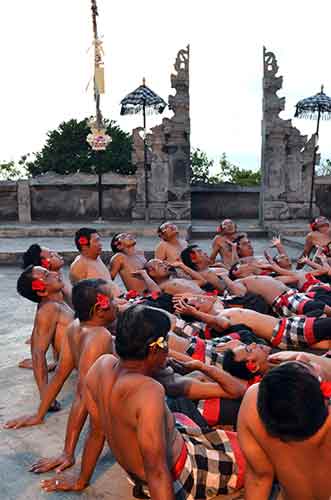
(248, 408)
(162, 245)
(103, 365)
(48, 308)
(217, 240)
(118, 258)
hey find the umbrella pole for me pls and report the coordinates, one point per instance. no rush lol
(145, 167)
(313, 170)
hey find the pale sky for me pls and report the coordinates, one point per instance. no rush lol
(46, 67)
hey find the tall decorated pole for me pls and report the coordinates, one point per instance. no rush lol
(98, 139)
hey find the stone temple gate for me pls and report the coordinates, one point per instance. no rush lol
(287, 156)
(169, 194)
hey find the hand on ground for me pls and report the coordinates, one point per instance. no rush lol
(46, 464)
(25, 421)
(63, 482)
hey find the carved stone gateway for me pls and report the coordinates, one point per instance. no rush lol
(169, 194)
(287, 156)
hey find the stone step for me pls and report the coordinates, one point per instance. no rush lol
(207, 232)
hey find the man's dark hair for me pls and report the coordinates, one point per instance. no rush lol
(114, 242)
(236, 368)
(159, 232)
(137, 327)
(232, 271)
(32, 256)
(86, 232)
(290, 402)
(24, 285)
(84, 296)
(186, 256)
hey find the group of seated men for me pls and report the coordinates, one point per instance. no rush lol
(216, 371)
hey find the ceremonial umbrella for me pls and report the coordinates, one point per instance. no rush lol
(143, 99)
(316, 107)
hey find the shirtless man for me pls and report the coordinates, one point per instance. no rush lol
(51, 320)
(319, 236)
(88, 264)
(285, 333)
(126, 260)
(284, 430)
(49, 259)
(158, 275)
(283, 300)
(86, 340)
(174, 462)
(171, 246)
(222, 243)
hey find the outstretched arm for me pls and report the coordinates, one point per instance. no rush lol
(116, 264)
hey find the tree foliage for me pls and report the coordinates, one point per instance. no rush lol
(11, 171)
(324, 168)
(227, 172)
(66, 151)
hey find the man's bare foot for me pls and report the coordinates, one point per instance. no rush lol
(51, 366)
(26, 363)
(55, 406)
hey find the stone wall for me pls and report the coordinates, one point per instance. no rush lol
(71, 197)
(223, 200)
(8, 201)
(323, 194)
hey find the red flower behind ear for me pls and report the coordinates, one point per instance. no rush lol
(38, 286)
(326, 389)
(251, 366)
(219, 229)
(83, 240)
(103, 301)
(45, 263)
(155, 295)
(131, 294)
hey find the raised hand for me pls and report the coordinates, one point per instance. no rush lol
(275, 241)
(182, 307)
(184, 367)
(45, 464)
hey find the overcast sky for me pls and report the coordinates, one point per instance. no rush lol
(46, 65)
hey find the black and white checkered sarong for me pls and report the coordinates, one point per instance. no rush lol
(214, 464)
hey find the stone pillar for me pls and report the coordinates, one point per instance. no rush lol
(24, 202)
(286, 157)
(169, 192)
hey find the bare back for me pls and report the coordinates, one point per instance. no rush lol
(261, 324)
(301, 467)
(119, 397)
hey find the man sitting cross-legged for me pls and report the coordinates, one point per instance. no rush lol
(171, 246)
(88, 264)
(127, 406)
(51, 320)
(126, 260)
(222, 243)
(285, 333)
(86, 340)
(284, 430)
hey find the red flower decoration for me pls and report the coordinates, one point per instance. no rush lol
(326, 389)
(103, 301)
(251, 366)
(131, 294)
(219, 229)
(155, 295)
(38, 285)
(213, 293)
(45, 263)
(83, 240)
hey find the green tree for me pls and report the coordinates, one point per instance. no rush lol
(66, 151)
(324, 168)
(227, 172)
(11, 171)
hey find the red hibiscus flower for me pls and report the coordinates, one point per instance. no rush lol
(83, 240)
(251, 366)
(103, 301)
(326, 389)
(131, 294)
(155, 295)
(38, 285)
(45, 263)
